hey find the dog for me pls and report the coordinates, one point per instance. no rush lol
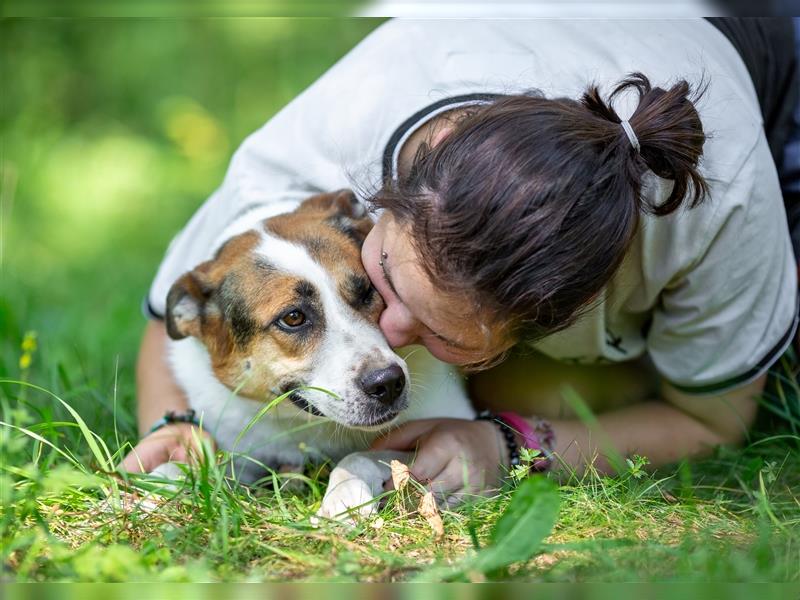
(285, 308)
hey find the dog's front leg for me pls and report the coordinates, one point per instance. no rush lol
(171, 472)
(355, 482)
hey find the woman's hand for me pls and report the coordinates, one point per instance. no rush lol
(454, 457)
(176, 442)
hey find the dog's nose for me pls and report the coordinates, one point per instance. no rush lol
(384, 385)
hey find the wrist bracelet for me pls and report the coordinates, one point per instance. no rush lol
(508, 434)
(539, 437)
(171, 416)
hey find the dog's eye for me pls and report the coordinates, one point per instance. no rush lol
(294, 318)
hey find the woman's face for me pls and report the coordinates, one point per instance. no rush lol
(416, 312)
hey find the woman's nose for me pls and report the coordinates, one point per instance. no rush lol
(399, 326)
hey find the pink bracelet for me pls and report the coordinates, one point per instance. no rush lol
(540, 438)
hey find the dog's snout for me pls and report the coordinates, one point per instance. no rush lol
(384, 385)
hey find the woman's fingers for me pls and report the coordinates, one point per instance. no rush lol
(175, 442)
(459, 478)
(454, 458)
(134, 462)
(428, 462)
(149, 453)
(404, 437)
(431, 461)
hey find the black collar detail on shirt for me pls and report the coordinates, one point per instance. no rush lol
(419, 116)
(761, 367)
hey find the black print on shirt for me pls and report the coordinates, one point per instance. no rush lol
(615, 342)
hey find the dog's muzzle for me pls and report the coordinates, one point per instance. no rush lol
(304, 404)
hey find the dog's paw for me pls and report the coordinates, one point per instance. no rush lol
(347, 501)
(170, 471)
(291, 478)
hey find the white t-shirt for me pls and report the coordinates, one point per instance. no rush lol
(710, 294)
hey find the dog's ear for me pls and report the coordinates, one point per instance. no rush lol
(339, 203)
(186, 302)
(346, 204)
(342, 211)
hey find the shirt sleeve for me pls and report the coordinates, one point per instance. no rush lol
(725, 320)
(329, 137)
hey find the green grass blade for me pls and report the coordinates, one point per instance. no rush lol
(42, 440)
(263, 411)
(588, 418)
(105, 462)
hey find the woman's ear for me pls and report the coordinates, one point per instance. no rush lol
(440, 132)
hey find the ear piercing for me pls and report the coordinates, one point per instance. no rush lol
(384, 256)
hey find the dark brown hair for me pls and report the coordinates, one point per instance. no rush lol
(530, 204)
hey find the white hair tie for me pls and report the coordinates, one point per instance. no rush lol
(631, 135)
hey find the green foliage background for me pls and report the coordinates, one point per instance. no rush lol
(113, 133)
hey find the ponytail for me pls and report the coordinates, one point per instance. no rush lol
(670, 137)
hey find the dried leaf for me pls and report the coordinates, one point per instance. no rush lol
(400, 474)
(668, 497)
(427, 508)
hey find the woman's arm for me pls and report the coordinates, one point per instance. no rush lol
(156, 388)
(679, 426)
(158, 392)
(665, 431)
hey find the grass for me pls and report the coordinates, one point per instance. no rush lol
(98, 171)
(67, 517)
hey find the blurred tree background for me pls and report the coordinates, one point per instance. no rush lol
(113, 132)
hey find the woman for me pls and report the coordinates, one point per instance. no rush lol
(524, 208)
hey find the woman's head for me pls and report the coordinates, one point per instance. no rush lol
(418, 310)
(513, 224)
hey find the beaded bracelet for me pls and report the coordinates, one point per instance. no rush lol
(538, 437)
(508, 434)
(189, 416)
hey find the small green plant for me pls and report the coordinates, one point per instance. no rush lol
(636, 466)
(519, 472)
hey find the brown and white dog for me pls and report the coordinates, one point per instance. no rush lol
(285, 304)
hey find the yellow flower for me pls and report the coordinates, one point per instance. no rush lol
(24, 361)
(29, 342)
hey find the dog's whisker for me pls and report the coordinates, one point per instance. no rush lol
(412, 352)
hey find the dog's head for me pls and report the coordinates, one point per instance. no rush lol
(289, 305)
